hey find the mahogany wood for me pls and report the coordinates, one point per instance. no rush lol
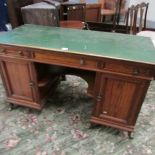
(118, 87)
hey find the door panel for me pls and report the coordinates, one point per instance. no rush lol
(17, 79)
(117, 98)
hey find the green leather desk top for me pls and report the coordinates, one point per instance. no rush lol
(111, 45)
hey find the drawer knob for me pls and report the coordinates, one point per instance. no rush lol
(99, 98)
(31, 84)
(100, 65)
(136, 71)
(19, 52)
(105, 112)
(82, 62)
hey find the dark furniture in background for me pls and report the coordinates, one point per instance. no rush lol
(14, 10)
(143, 9)
(3, 15)
(72, 11)
(72, 15)
(135, 21)
(41, 14)
(77, 12)
(136, 18)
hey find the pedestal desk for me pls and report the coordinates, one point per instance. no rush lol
(118, 69)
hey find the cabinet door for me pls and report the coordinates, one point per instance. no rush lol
(118, 99)
(18, 79)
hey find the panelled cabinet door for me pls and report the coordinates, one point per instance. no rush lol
(119, 99)
(18, 79)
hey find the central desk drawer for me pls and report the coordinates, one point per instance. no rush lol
(84, 62)
(67, 60)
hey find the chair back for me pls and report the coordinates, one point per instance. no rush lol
(142, 14)
(136, 18)
(131, 20)
(93, 12)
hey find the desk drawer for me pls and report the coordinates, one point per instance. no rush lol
(93, 64)
(67, 60)
(15, 53)
(127, 69)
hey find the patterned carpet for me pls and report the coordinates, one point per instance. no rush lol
(62, 128)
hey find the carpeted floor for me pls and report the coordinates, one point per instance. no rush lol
(62, 128)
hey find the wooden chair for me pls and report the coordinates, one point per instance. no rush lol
(93, 12)
(136, 18)
(142, 13)
(120, 11)
(131, 20)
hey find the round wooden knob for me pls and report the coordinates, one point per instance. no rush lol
(105, 112)
(31, 84)
(136, 71)
(19, 52)
(99, 98)
(100, 65)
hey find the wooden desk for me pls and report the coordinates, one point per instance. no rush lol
(117, 67)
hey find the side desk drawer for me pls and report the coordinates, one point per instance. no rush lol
(128, 69)
(15, 53)
(67, 60)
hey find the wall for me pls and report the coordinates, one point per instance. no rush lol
(151, 11)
